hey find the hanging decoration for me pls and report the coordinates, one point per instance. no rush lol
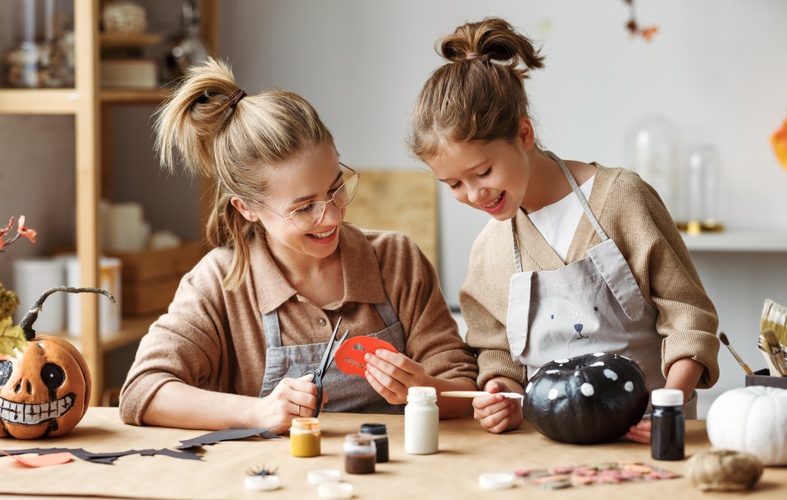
(646, 32)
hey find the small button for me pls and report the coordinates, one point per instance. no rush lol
(321, 321)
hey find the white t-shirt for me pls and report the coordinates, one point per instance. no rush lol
(558, 222)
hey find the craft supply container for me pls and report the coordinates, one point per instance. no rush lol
(763, 377)
(305, 437)
(667, 424)
(421, 420)
(32, 277)
(380, 434)
(110, 279)
(360, 453)
(38, 43)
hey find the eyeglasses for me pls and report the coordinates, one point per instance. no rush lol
(310, 215)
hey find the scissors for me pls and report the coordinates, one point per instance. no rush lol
(325, 363)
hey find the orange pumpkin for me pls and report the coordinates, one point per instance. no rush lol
(779, 144)
(45, 390)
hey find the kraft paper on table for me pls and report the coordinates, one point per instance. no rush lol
(466, 451)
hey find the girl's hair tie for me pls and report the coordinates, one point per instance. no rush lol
(472, 55)
(236, 97)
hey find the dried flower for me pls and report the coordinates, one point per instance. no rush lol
(8, 302)
(25, 231)
(12, 338)
(21, 231)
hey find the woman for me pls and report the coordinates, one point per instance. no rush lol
(258, 310)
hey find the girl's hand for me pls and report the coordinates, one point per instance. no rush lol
(292, 398)
(640, 433)
(391, 374)
(497, 413)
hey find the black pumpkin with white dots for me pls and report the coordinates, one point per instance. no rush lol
(587, 399)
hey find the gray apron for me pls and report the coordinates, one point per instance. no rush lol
(592, 305)
(344, 392)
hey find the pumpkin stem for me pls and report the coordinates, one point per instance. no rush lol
(32, 314)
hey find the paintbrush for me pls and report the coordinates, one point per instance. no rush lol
(773, 352)
(476, 394)
(774, 317)
(726, 341)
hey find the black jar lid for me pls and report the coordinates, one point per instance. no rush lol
(374, 428)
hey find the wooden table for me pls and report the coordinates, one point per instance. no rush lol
(465, 452)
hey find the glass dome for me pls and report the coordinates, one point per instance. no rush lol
(652, 150)
(702, 196)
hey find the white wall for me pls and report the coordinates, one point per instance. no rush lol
(716, 68)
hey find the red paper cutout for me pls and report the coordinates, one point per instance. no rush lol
(349, 357)
(42, 460)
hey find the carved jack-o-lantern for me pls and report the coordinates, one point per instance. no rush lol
(45, 390)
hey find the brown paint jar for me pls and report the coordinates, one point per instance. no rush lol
(360, 453)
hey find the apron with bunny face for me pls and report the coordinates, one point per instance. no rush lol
(592, 305)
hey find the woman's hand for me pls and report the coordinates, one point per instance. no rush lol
(497, 413)
(180, 405)
(292, 398)
(640, 433)
(391, 374)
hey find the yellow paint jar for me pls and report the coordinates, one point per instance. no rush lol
(305, 437)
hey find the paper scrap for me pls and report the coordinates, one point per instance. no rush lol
(225, 435)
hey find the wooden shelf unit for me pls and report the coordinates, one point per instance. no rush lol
(88, 104)
(739, 240)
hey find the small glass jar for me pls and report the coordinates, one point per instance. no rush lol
(305, 437)
(380, 434)
(43, 54)
(360, 453)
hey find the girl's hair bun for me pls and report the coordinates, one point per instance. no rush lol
(492, 39)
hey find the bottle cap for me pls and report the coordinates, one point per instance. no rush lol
(362, 439)
(335, 490)
(420, 394)
(496, 480)
(320, 476)
(262, 483)
(305, 423)
(667, 397)
(376, 429)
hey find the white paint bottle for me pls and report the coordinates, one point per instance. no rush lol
(421, 419)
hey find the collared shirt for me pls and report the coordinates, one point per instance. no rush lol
(214, 339)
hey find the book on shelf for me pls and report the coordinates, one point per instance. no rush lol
(129, 73)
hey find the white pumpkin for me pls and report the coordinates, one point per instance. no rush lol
(751, 419)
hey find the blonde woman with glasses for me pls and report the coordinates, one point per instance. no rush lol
(258, 311)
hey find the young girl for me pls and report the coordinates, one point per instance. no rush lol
(577, 258)
(259, 309)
